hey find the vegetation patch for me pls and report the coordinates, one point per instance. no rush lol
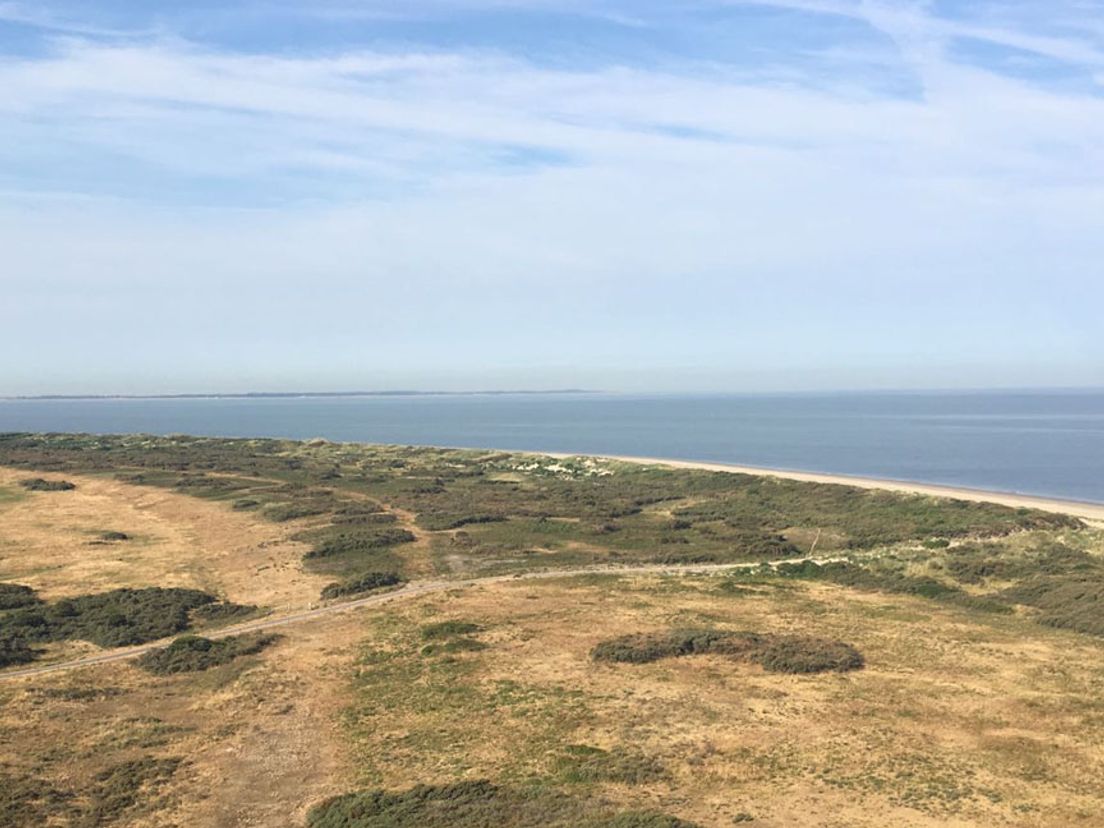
(222, 613)
(478, 804)
(118, 618)
(890, 580)
(41, 484)
(14, 596)
(775, 653)
(448, 629)
(588, 764)
(368, 582)
(462, 644)
(449, 637)
(333, 544)
(192, 653)
(283, 512)
(1071, 602)
(114, 537)
(14, 650)
(127, 787)
(28, 800)
(575, 511)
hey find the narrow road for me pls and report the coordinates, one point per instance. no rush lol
(410, 590)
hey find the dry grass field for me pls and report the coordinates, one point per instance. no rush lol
(961, 714)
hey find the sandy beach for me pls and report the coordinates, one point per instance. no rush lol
(1092, 512)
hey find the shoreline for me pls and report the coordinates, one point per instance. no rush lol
(1093, 512)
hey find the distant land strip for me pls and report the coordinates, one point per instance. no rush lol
(264, 395)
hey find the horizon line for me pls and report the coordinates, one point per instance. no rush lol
(217, 395)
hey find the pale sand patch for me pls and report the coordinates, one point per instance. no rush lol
(48, 541)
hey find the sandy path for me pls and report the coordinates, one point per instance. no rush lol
(411, 590)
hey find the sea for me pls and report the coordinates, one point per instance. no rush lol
(1043, 443)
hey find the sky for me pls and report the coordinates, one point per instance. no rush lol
(630, 195)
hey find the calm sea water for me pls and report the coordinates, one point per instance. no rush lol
(1042, 443)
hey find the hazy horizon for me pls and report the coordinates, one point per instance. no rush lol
(475, 392)
(718, 196)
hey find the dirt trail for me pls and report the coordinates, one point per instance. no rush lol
(411, 590)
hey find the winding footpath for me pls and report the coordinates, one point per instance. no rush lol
(413, 589)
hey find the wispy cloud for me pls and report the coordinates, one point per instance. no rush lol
(486, 182)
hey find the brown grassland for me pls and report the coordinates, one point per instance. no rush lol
(972, 708)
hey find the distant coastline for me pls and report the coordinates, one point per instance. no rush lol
(1085, 509)
(280, 395)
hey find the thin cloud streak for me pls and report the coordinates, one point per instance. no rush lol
(447, 205)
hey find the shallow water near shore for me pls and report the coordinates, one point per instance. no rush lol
(1043, 443)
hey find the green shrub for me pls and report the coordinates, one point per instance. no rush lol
(118, 618)
(447, 521)
(477, 804)
(223, 612)
(40, 484)
(192, 653)
(367, 582)
(14, 596)
(14, 650)
(353, 542)
(283, 512)
(775, 653)
(800, 654)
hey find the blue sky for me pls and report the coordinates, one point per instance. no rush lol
(704, 195)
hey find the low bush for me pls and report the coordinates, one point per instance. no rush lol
(344, 543)
(223, 612)
(14, 651)
(14, 596)
(192, 653)
(283, 512)
(775, 653)
(459, 521)
(367, 582)
(40, 484)
(114, 537)
(478, 804)
(118, 618)
(365, 519)
(800, 654)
